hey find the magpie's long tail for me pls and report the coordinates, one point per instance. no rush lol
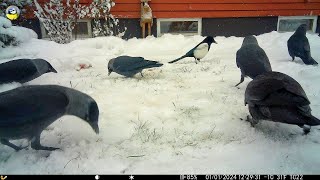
(184, 56)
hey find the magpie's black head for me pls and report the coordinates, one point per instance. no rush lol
(209, 40)
(301, 30)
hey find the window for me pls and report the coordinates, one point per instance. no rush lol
(81, 31)
(291, 23)
(179, 26)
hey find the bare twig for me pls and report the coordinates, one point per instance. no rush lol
(135, 156)
(71, 160)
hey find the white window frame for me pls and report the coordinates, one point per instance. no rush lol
(314, 18)
(179, 19)
(89, 35)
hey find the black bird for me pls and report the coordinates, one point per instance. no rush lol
(26, 111)
(129, 66)
(278, 97)
(200, 51)
(298, 46)
(24, 70)
(251, 59)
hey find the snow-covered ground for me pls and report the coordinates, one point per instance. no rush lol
(180, 118)
(20, 34)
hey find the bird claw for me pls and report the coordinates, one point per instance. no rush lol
(23, 147)
(37, 146)
(45, 148)
(306, 130)
(251, 121)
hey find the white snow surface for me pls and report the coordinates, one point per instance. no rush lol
(180, 118)
(5, 23)
(21, 34)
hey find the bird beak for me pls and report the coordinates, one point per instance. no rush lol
(55, 71)
(95, 127)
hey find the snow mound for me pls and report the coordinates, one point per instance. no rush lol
(5, 23)
(9, 86)
(14, 35)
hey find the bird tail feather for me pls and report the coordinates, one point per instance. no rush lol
(177, 59)
(152, 64)
(313, 121)
(313, 61)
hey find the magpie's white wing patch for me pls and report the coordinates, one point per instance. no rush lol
(201, 51)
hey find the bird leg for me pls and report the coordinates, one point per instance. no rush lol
(292, 58)
(252, 121)
(306, 129)
(241, 80)
(141, 74)
(195, 60)
(35, 144)
(7, 143)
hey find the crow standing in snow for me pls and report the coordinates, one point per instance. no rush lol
(200, 51)
(251, 59)
(298, 46)
(24, 70)
(278, 97)
(26, 111)
(129, 66)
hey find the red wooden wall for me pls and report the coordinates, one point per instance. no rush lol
(218, 8)
(213, 8)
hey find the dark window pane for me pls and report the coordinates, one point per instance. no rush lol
(82, 28)
(293, 24)
(179, 27)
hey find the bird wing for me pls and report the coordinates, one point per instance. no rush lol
(238, 58)
(283, 97)
(263, 58)
(190, 53)
(30, 103)
(198, 47)
(17, 71)
(275, 89)
(132, 63)
(126, 62)
(306, 45)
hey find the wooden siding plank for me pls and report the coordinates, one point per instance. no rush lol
(209, 1)
(212, 8)
(216, 7)
(219, 14)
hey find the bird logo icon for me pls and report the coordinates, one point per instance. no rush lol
(12, 12)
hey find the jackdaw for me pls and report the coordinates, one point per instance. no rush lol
(298, 46)
(129, 66)
(24, 70)
(200, 51)
(26, 111)
(251, 59)
(278, 97)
